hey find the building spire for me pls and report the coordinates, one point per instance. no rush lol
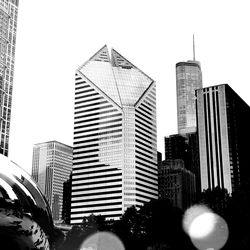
(193, 49)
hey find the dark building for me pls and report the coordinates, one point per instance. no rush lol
(176, 148)
(193, 158)
(159, 157)
(176, 183)
(186, 148)
(223, 131)
(66, 200)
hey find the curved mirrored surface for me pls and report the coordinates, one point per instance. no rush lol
(25, 216)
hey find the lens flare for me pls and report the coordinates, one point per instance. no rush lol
(102, 241)
(206, 229)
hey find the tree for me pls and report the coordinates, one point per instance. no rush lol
(217, 199)
(157, 224)
(81, 232)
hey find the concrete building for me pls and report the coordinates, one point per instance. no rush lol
(8, 28)
(51, 167)
(114, 152)
(223, 130)
(176, 183)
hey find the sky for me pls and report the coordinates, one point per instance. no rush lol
(55, 37)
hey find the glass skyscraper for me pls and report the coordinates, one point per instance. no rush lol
(51, 167)
(8, 26)
(223, 130)
(114, 151)
(188, 79)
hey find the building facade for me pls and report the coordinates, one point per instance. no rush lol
(223, 130)
(188, 79)
(176, 148)
(114, 152)
(51, 167)
(186, 148)
(8, 28)
(194, 159)
(67, 200)
(176, 183)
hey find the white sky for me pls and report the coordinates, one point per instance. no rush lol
(55, 37)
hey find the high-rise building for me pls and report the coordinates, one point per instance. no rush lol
(115, 151)
(194, 159)
(8, 26)
(176, 183)
(188, 79)
(223, 130)
(51, 167)
(67, 200)
(176, 148)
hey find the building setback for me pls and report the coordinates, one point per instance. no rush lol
(114, 152)
(51, 167)
(223, 131)
(8, 27)
(188, 79)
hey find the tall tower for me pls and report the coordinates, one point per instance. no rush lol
(188, 79)
(114, 152)
(223, 130)
(8, 26)
(51, 167)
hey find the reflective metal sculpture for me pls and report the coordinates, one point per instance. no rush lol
(25, 216)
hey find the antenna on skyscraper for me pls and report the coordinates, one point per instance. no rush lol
(193, 49)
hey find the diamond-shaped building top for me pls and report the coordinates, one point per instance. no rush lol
(119, 79)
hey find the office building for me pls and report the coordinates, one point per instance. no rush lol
(67, 200)
(8, 27)
(223, 130)
(188, 79)
(176, 148)
(194, 159)
(114, 152)
(176, 183)
(51, 167)
(186, 148)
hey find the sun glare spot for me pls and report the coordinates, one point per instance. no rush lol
(202, 225)
(207, 230)
(102, 241)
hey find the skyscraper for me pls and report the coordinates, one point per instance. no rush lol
(176, 148)
(66, 200)
(8, 26)
(186, 148)
(114, 152)
(51, 167)
(188, 79)
(176, 183)
(223, 130)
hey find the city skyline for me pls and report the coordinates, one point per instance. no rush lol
(46, 56)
